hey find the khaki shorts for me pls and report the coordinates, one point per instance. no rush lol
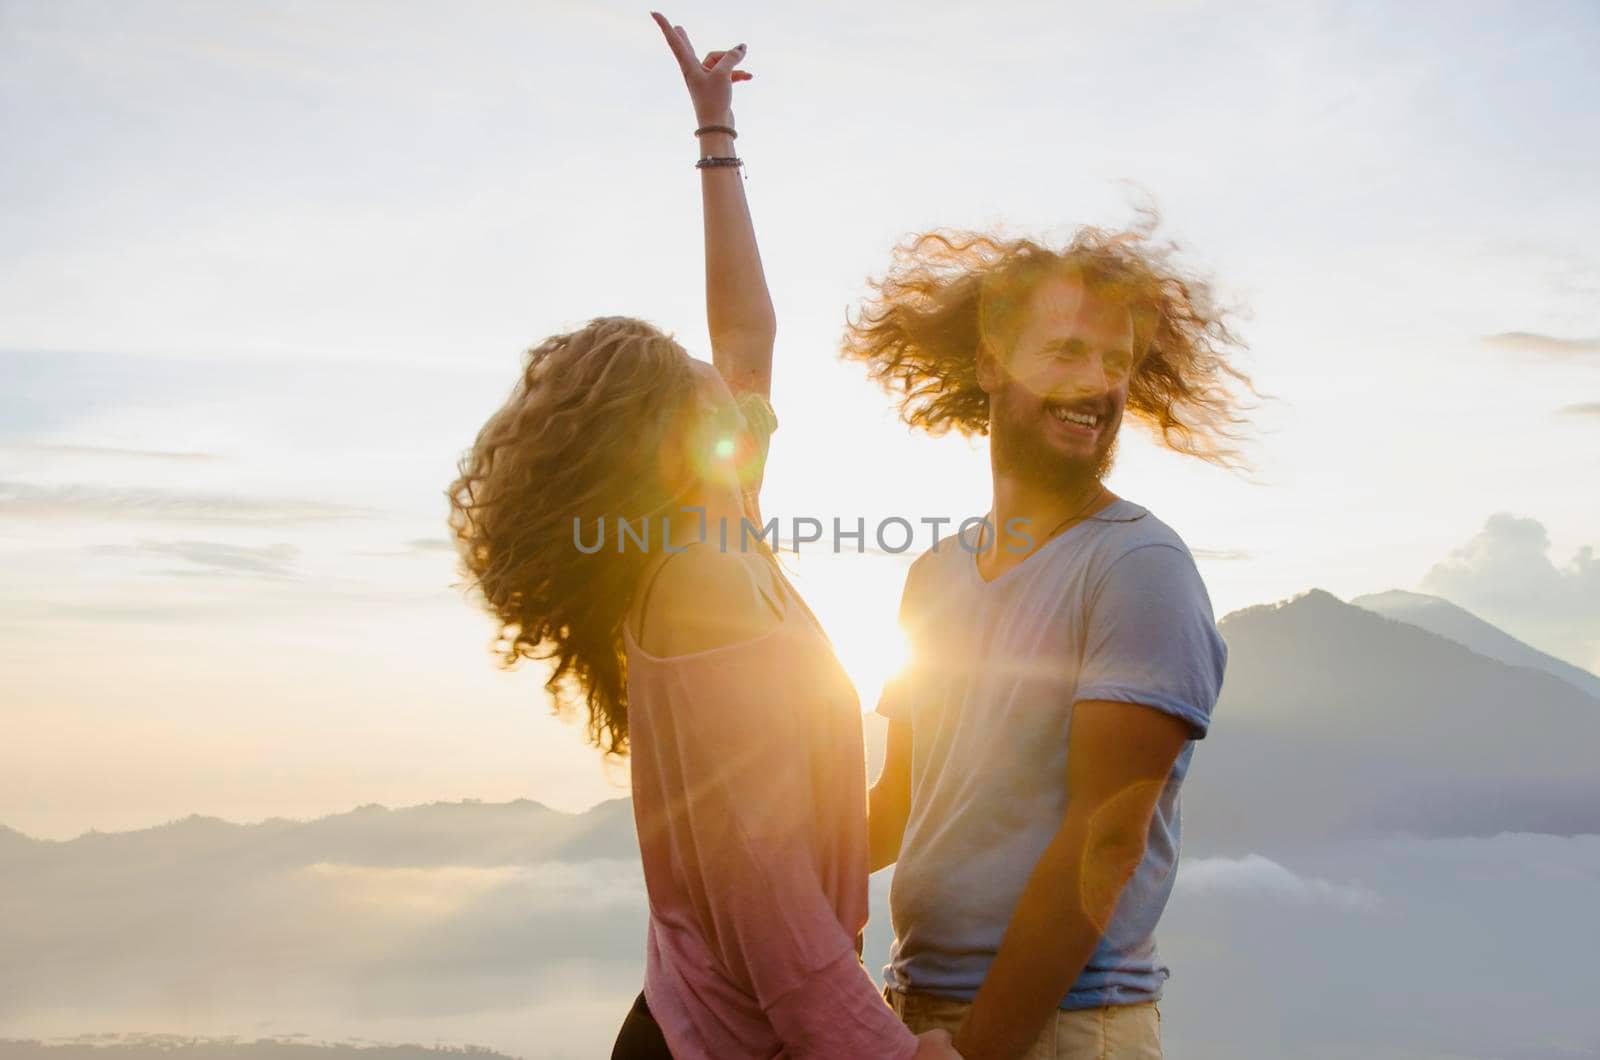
(1112, 1032)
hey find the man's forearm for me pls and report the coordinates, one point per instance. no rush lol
(886, 825)
(1053, 932)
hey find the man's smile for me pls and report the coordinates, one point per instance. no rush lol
(1079, 417)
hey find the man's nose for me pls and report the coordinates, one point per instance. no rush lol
(1092, 377)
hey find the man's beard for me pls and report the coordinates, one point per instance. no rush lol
(1020, 451)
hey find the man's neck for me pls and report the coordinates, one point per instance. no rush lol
(1043, 510)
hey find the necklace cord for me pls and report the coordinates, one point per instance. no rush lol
(1062, 525)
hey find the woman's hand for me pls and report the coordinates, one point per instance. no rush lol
(935, 1045)
(711, 79)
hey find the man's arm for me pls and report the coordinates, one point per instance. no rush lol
(1119, 758)
(889, 801)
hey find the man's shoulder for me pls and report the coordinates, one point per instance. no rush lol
(1129, 527)
(945, 552)
(1143, 554)
(937, 571)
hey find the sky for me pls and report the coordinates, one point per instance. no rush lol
(266, 268)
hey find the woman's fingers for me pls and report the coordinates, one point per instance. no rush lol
(683, 35)
(683, 51)
(726, 61)
(677, 42)
(713, 60)
(710, 62)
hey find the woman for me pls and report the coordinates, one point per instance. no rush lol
(583, 514)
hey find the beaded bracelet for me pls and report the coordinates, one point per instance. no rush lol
(730, 130)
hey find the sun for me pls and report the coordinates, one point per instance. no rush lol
(875, 655)
(857, 598)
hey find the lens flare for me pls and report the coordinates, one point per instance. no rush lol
(718, 447)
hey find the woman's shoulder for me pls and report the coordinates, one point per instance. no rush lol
(707, 598)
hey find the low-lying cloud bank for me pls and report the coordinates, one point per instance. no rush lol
(522, 930)
(1257, 877)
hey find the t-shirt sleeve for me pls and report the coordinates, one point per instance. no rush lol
(1150, 637)
(747, 814)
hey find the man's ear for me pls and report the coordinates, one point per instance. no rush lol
(1145, 322)
(991, 372)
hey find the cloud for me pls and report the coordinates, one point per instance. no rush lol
(115, 451)
(445, 922)
(20, 500)
(1534, 342)
(141, 1045)
(1505, 574)
(432, 891)
(1260, 877)
(215, 557)
(33, 612)
(1221, 554)
(411, 548)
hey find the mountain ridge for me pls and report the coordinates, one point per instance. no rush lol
(1335, 721)
(1352, 720)
(1449, 619)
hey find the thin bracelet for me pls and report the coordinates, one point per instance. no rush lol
(730, 130)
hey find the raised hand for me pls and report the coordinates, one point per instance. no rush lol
(710, 80)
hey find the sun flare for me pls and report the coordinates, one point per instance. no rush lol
(857, 599)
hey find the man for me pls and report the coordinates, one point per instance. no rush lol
(1065, 658)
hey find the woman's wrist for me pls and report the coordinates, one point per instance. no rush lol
(716, 117)
(714, 142)
(717, 145)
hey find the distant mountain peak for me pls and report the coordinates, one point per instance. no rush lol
(1339, 720)
(371, 813)
(1445, 619)
(1308, 601)
(1315, 598)
(1399, 597)
(11, 835)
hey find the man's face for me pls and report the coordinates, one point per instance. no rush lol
(1056, 395)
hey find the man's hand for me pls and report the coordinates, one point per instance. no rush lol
(711, 79)
(1118, 760)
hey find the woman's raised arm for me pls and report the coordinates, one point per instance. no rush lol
(739, 311)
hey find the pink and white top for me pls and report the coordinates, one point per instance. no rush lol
(749, 795)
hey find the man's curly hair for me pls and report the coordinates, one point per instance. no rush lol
(580, 438)
(949, 292)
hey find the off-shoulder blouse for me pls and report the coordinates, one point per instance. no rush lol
(749, 795)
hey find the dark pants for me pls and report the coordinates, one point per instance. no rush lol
(640, 1037)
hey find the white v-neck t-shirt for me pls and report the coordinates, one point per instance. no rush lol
(1110, 609)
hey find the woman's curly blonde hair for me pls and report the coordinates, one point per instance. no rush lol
(949, 292)
(580, 439)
